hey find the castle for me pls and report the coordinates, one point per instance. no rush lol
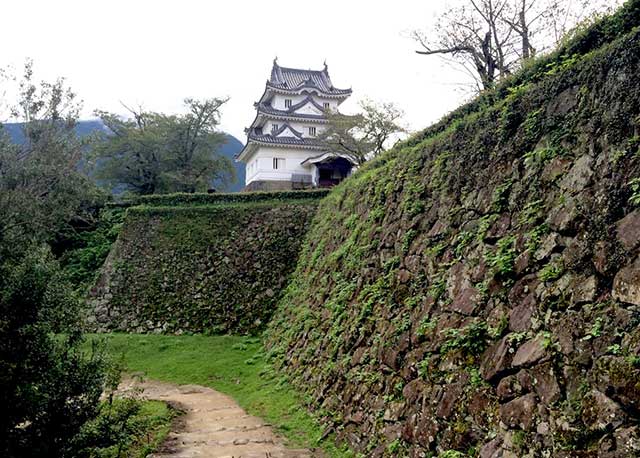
(282, 150)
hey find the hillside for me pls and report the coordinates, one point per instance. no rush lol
(476, 290)
(84, 128)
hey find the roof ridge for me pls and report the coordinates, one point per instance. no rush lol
(283, 128)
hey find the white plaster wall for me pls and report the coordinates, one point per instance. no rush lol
(299, 126)
(263, 158)
(278, 101)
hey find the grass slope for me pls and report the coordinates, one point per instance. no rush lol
(233, 365)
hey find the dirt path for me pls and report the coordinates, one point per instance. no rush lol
(213, 425)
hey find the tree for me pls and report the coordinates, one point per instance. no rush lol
(41, 187)
(157, 153)
(490, 39)
(49, 388)
(364, 135)
(475, 37)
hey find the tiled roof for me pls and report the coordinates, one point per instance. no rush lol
(293, 141)
(295, 79)
(290, 112)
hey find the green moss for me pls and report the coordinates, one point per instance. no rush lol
(205, 268)
(182, 199)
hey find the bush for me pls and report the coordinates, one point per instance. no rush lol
(226, 198)
(90, 248)
(49, 387)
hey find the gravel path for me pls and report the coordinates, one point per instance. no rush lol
(213, 425)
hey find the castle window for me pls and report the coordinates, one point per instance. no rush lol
(312, 131)
(326, 105)
(274, 127)
(278, 163)
(287, 103)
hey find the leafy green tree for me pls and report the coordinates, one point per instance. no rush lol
(364, 135)
(156, 153)
(49, 387)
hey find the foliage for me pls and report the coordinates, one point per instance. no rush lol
(157, 153)
(41, 190)
(502, 259)
(551, 271)
(87, 250)
(182, 199)
(126, 427)
(471, 339)
(635, 191)
(364, 135)
(49, 387)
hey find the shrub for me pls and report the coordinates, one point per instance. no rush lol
(164, 200)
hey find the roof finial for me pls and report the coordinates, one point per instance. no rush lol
(325, 65)
(275, 61)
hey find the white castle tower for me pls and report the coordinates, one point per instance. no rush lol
(282, 150)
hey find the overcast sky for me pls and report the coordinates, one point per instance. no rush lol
(156, 53)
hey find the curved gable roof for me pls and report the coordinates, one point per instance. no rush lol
(286, 78)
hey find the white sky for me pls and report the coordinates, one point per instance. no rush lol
(156, 53)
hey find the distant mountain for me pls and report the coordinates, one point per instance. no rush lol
(231, 147)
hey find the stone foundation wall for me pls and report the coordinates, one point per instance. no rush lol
(213, 268)
(476, 290)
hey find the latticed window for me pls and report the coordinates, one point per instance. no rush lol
(278, 163)
(326, 105)
(312, 131)
(274, 127)
(287, 103)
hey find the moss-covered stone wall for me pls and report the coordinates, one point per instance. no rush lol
(200, 268)
(476, 290)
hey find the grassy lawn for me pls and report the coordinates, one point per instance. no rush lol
(230, 364)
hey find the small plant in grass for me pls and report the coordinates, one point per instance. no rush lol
(500, 197)
(551, 271)
(596, 329)
(423, 368)
(614, 349)
(475, 379)
(394, 447)
(500, 327)
(530, 213)
(409, 237)
(435, 250)
(452, 454)
(541, 156)
(502, 260)
(516, 337)
(484, 225)
(635, 191)
(531, 125)
(534, 236)
(471, 339)
(426, 325)
(461, 242)
(437, 288)
(633, 360)
(414, 301)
